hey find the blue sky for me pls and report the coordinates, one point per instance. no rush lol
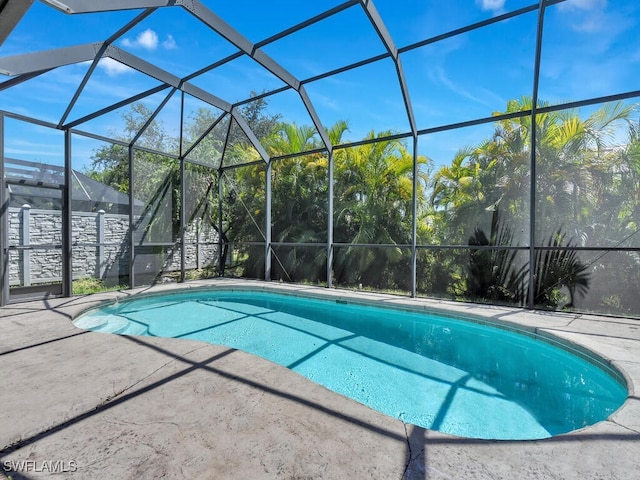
(591, 48)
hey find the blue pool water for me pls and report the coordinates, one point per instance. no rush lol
(459, 377)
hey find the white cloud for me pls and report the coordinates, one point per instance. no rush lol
(147, 39)
(439, 76)
(493, 5)
(21, 147)
(169, 43)
(583, 5)
(588, 16)
(112, 67)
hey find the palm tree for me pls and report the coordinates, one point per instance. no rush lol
(458, 195)
(566, 148)
(373, 198)
(571, 155)
(299, 202)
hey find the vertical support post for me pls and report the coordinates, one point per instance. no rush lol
(220, 206)
(414, 220)
(132, 240)
(267, 240)
(198, 242)
(183, 228)
(102, 262)
(183, 243)
(330, 174)
(4, 224)
(67, 258)
(533, 137)
(25, 241)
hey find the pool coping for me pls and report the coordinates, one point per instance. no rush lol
(616, 342)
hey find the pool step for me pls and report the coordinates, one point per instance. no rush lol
(133, 329)
(114, 324)
(91, 322)
(111, 324)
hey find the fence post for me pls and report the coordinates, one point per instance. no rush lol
(26, 242)
(102, 264)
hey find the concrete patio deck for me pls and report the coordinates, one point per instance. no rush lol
(107, 406)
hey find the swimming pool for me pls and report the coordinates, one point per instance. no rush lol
(461, 377)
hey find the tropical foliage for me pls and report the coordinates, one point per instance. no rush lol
(473, 214)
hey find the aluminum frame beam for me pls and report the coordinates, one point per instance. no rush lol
(203, 135)
(152, 117)
(387, 40)
(67, 223)
(24, 67)
(392, 49)
(235, 113)
(30, 63)
(23, 64)
(380, 27)
(94, 64)
(4, 222)
(72, 7)
(234, 37)
(48, 59)
(533, 163)
(11, 12)
(115, 106)
(19, 79)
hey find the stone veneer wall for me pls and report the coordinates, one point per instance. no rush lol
(100, 244)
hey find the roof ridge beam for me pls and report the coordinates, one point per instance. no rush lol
(72, 7)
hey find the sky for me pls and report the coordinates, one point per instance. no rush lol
(591, 48)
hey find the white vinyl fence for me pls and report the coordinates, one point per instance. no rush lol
(100, 244)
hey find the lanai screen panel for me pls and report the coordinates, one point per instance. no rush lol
(156, 223)
(523, 116)
(203, 239)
